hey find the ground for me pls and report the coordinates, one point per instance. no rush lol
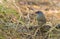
(18, 19)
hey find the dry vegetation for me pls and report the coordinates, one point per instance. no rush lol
(18, 19)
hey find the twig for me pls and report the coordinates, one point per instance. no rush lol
(20, 13)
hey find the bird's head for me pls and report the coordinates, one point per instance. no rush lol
(39, 12)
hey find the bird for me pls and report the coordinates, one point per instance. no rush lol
(40, 17)
(44, 28)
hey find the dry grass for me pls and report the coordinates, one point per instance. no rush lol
(18, 19)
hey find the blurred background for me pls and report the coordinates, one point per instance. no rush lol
(29, 19)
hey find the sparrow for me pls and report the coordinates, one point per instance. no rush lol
(40, 18)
